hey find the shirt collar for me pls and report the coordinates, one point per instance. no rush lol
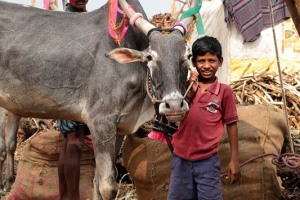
(215, 87)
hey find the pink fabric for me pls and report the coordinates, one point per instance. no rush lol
(158, 136)
(112, 19)
(46, 4)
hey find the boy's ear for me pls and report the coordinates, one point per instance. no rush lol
(221, 61)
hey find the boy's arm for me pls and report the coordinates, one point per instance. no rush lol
(233, 172)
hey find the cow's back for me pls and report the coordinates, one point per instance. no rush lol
(46, 58)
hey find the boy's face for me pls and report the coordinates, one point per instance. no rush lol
(207, 66)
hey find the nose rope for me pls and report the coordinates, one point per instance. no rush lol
(150, 92)
(188, 89)
(149, 89)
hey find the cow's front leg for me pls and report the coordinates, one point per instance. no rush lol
(104, 138)
(11, 143)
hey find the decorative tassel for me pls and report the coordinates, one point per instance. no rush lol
(116, 30)
(46, 4)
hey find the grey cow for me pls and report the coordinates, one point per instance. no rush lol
(53, 66)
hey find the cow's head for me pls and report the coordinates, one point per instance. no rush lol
(167, 58)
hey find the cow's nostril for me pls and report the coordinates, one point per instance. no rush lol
(167, 105)
(181, 105)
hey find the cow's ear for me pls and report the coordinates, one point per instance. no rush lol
(125, 55)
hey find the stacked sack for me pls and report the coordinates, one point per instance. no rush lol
(37, 172)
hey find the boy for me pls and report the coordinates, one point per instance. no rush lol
(195, 172)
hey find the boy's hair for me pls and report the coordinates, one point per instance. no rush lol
(206, 44)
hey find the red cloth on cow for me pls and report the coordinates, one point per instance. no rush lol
(155, 135)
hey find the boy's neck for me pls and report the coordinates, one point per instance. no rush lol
(205, 83)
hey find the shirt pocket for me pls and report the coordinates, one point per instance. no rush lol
(212, 107)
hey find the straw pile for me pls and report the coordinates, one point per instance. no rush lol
(163, 21)
(266, 89)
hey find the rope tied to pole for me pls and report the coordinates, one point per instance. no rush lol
(280, 77)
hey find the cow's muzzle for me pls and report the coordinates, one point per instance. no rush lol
(174, 107)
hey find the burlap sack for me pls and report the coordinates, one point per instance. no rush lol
(261, 131)
(37, 176)
(148, 163)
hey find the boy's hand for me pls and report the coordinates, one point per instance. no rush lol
(194, 78)
(233, 172)
(192, 90)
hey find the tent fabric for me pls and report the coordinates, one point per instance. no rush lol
(251, 17)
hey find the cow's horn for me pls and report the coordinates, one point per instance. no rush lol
(136, 18)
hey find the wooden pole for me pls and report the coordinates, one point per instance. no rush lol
(294, 8)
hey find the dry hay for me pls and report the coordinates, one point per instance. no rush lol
(167, 21)
(126, 191)
(163, 21)
(266, 89)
